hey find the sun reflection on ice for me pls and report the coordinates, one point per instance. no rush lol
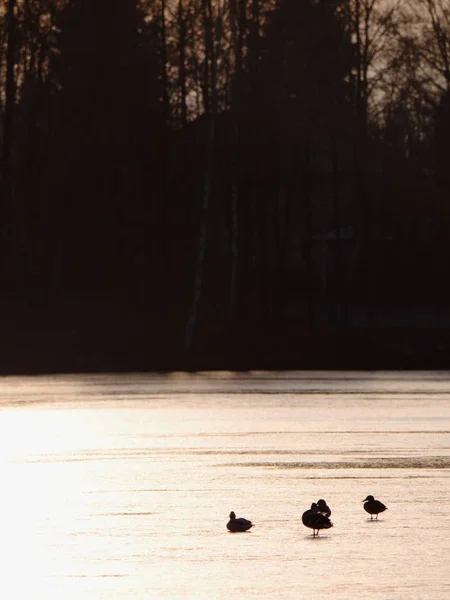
(43, 505)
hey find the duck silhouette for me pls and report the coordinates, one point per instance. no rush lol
(323, 508)
(373, 507)
(315, 520)
(239, 524)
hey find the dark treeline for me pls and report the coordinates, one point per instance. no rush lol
(223, 183)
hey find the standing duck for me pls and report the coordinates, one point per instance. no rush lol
(313, 519)
(323, 508)
(373, 507)
(240, 524)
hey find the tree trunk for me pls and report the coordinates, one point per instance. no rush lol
(308, 239)
(234, 225)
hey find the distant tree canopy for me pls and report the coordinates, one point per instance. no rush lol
(103, 105)
(442, 140)
(264, 149)
(307, 57)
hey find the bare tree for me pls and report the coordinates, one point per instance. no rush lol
(435, 46)
(165, 119)
(238, 29)
(209, 90)
(182, 60)
(9, 97)
(373, 29)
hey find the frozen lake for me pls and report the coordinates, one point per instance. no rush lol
(120, 486)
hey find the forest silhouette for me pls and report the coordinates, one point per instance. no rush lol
(224, 184)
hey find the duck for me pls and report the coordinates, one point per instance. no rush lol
(323, 508)
(239, 524)
(315, 520)
(373, 507)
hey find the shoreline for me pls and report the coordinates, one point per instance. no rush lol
(276, 348)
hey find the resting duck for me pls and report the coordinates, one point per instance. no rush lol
(313, 519)
(323, 508)
(373, 507)
(240, 524)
